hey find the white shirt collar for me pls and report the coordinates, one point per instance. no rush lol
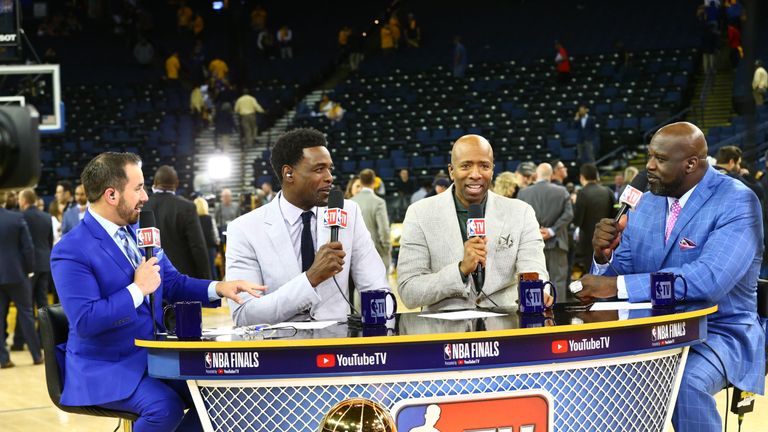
(682, 200)
(291, 213)
(110, 227)
(366, 189)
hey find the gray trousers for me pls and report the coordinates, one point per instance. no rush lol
(557, 267)
(21, 295)
(248, 126)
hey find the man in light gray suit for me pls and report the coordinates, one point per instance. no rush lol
(285, 244)
(436, 258)
(375, 216)
(554, 211)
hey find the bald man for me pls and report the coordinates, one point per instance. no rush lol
(437, 259)
(706, 226)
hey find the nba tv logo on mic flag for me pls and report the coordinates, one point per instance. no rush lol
(630, 196)
(148, 237)
(476, 227)
(335, 217)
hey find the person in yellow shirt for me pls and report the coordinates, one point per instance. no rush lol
(172, 66)
(183, 16)
(218, 69)
(246, 108)
(258, 18)
(387, 41)
(344, 34)
(198, 25)
(394, 27)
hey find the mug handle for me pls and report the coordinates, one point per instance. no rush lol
(394, 305)
(553, 291)
(165, 310)
(685, 288)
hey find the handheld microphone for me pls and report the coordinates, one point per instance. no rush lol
(476, 228)
(630, 198)
(149, 238)
(335, 216)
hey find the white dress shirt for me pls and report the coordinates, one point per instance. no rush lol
(292, 217)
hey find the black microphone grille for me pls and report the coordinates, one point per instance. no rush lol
(336, 199)
(146, 219)
(640, 182)
(475, 211)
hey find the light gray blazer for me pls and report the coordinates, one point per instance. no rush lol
(259, 250)
(431, 249)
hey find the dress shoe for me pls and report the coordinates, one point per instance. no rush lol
(17, 347)
(38, 361)
(10, 364)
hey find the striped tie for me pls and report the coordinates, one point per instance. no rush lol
(674, 212)
(133, 254)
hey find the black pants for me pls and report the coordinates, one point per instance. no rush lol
(21, 295)
(40, 283)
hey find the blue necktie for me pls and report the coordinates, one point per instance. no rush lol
(133, 254)
(307, 246)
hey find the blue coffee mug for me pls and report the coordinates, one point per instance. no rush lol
(663, 289)
(531, 293)
(374, 306)
(189, 320)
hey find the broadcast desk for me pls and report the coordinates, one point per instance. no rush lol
(574, 370)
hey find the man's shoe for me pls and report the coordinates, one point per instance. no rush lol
(17, 347)
(39, 361)
(10, 364)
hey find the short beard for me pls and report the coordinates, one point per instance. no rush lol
(667, 189)
(126, 213)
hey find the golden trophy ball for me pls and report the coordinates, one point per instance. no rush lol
(358, 415)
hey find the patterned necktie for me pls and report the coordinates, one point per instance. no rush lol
(307, 246)
(133, 254)
(674, 212)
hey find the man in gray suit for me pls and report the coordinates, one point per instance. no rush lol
(375, 216)
(554, 212)
(286, 246)
(436, 258)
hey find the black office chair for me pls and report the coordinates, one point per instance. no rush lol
(54, 328)
(762, 309)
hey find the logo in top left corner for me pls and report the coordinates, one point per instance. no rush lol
(208, 360)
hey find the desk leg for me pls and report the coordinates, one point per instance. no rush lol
(194, 391)
(676, 387)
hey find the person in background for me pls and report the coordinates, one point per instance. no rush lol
(226, 211)
(75, 214)
(269, 192)
(759, 83)
(285, 42)
(505, 185)
(562, 63)
(525, 175)
(353, 187)
(210, 232)
(55, 212)
(40, 203)
(459, 58)
(64, 195)
(246, 108)
(374, 210)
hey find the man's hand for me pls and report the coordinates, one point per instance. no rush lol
(230, 289)
(329, 260)
(147, 275)
(545, 234)
(607, 237)
(597, 287)
(474, 254)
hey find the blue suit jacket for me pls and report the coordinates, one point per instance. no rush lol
(17, 255)
(91, 275)
(70, 219)
(723, 219)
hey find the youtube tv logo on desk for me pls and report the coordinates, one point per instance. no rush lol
(325, 360)
(560, 346)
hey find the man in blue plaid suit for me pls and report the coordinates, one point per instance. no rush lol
(708, 227)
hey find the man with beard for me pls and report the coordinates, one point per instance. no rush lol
(707, 227)
(76, 213)
(285, 244)
(104, 286)
(437, 260)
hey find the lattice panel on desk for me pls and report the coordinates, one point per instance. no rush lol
(625, 397)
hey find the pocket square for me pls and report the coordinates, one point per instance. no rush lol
(686, 244)
(504, 242)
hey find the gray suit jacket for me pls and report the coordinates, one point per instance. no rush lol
(431, 249)
(259, 249)
(376, 220)
(553, 208)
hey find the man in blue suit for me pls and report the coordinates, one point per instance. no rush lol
(707, 227)
(104, 285)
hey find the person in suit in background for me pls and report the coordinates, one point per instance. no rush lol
(75, 214)
(64, 195)
(374, 210)
(585, 125)
(707, 227)
(104, 287)
(554, 211)
(180, 230)
(210, 232)
(593, 203)
(17, 259)
(437, 259)
(41, 231)
(226, 211)
(285, 245)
